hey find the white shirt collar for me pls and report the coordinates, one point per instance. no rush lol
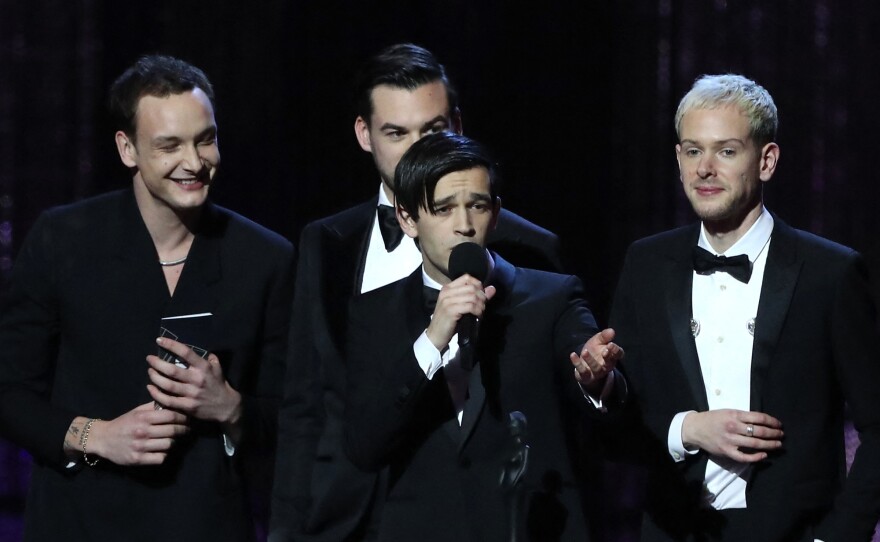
(751, 244)
(383, 198)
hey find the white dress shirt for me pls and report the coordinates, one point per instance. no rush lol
(724, 311)
(383, 267)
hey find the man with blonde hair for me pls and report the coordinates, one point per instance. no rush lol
(743, 362)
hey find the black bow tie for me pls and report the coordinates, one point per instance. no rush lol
(390, 227)
(738, 267)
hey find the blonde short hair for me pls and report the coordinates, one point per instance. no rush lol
(716, 91)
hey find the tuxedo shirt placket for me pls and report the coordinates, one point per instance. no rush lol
(724, 310)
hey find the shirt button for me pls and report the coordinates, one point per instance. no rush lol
(676, 455)
(723, 287)
(717, 392)
(721, 339)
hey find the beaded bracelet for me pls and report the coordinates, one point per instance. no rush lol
(85, 439)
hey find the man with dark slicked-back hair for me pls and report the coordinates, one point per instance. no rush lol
(402, 94)
(437, 412)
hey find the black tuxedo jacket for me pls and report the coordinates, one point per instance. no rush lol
(83, 312)
(815, 350)
(318, 494)
(443, 479)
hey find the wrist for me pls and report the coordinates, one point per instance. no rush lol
(233, 416)
(89, 443)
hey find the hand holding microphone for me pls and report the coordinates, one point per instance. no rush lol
(462, 301)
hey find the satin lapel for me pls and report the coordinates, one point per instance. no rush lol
(679, 295)
(344, 253)
(417, 318)
(353, 235)
(473, 407)
(780, 277)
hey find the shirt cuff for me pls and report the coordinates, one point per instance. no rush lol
(673, 439)
(228, 446)
(607, 388)
(430, 359)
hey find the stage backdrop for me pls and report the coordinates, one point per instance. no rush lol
(576, 99)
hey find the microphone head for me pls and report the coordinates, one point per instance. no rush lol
(468, 258)
(517, 424)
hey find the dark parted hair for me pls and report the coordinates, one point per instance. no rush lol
(430, 159)
(403, 66)
(152, 75)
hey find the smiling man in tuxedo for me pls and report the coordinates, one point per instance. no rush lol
(741, 363)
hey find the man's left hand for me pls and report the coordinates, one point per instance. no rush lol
(598, 357)
(200, 391)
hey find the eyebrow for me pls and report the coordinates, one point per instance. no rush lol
(474, 196)
(435, 120)
(721, 142)
(160, 141)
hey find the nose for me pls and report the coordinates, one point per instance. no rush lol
(706, 166)
(192, 160)
(463, 223)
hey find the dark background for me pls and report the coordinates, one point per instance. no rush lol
(576, 98)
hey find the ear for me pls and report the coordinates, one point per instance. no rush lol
(678, 160)
(408, 224)
(495, 212)
(362, 133)
(769, 159)
(126, 148)
(455, 121)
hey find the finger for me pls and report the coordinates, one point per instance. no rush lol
(582, 372)
(490, 292)
(167, 385)
(151, 458)
(759, 418)
(155, 445)
(148, 406)
(613, 352)
(607, 335)
(172, 402)
(167, 431)
(180, 350)
(746, 457)
(165, 367)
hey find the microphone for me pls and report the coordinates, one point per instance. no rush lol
(517, 425)
(470, 259)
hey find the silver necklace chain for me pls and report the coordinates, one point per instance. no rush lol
(170, 263)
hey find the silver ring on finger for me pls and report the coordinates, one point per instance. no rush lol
(750, 430)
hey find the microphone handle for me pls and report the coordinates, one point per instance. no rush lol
(467, 339)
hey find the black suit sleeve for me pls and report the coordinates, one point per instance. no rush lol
(301, 415)
(391, 404)
(853, 351)
(29, 328)
(261, 397)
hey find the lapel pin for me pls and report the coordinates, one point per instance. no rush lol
(695, 327)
